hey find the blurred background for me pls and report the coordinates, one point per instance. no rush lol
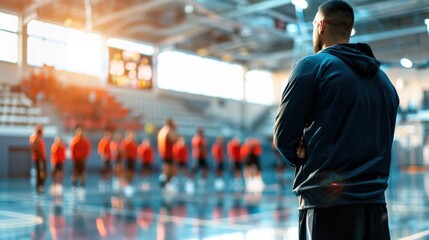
(217, 64)
(221, 65)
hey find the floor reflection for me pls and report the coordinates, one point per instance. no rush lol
(207, 214)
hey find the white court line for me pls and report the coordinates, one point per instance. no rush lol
(19, 220)
(415, 236)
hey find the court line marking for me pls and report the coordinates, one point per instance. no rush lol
(19, 220)
(415, 236)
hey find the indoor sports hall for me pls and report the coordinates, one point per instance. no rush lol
(102, 81)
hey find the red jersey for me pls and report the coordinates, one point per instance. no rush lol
(146, 153)
(234, 151)
(80, 147)
(37, 147)
(165, 145)
(199, 147)
(180, 152)
(130, 148)
(58, 153)
(244, 150)
(256, 147)
(104, 148)
(218, 152)
(116, 150)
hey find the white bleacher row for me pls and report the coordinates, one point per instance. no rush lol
(155, 110)
(17, 109)
(15, 99)
(12, 110)
(23, 120)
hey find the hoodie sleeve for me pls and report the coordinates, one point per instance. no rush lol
(294, 110)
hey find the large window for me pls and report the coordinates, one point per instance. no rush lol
(8, 37)
(64, 48)
(193, 74)
(259, 87)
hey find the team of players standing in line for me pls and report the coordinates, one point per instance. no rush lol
(120, 157)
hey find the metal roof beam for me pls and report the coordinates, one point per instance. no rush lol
(257, 7)
(134, 9)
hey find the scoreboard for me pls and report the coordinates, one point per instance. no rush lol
(130, 69)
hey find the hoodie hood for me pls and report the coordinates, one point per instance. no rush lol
(358, 56)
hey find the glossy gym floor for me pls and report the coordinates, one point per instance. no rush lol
(107, 212)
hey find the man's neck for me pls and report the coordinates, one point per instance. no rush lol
(335, 42)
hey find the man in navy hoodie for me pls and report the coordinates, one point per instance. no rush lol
(335, 125)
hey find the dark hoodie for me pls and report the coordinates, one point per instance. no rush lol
(345, 107)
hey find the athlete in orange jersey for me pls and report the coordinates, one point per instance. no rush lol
(80, 148)
(218, 154)
(146, 154)
(251, 151)
(234, 154)
(117, 153)
(105, 154)
(167, 136)
(130, 153)
(39, 156)
(180, 153)
(58, 158)
(199, 151)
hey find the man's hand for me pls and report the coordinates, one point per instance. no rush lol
(300, 150)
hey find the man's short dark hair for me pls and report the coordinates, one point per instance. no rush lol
(338, 13)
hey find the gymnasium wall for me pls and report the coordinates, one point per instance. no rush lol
(9, 73)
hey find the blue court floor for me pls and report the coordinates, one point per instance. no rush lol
(206, 214)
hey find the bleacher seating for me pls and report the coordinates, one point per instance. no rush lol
(93, 108)
(16, 109)
(155, 109)
(265, 126)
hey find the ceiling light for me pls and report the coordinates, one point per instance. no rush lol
(353, 32)
(227, 58)
(292, 28)
(246, 31)
(202, 52)
(300, 4)
(189, 9)
(406, 63)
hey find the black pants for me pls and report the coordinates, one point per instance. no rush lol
(79, 172)
(351, 222)
(40, 172)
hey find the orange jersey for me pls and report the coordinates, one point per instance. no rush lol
(256, 148)
(37, 147)
(199, 147)
(234, 151)
(165, 146)
(146, 154)
(104, 148)
(58, 153)
(245, 150)
(130, 148)
(116, 150)
(80, 147)
(180, 152)
(218, 152)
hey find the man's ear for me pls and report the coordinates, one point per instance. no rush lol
(321, 27)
